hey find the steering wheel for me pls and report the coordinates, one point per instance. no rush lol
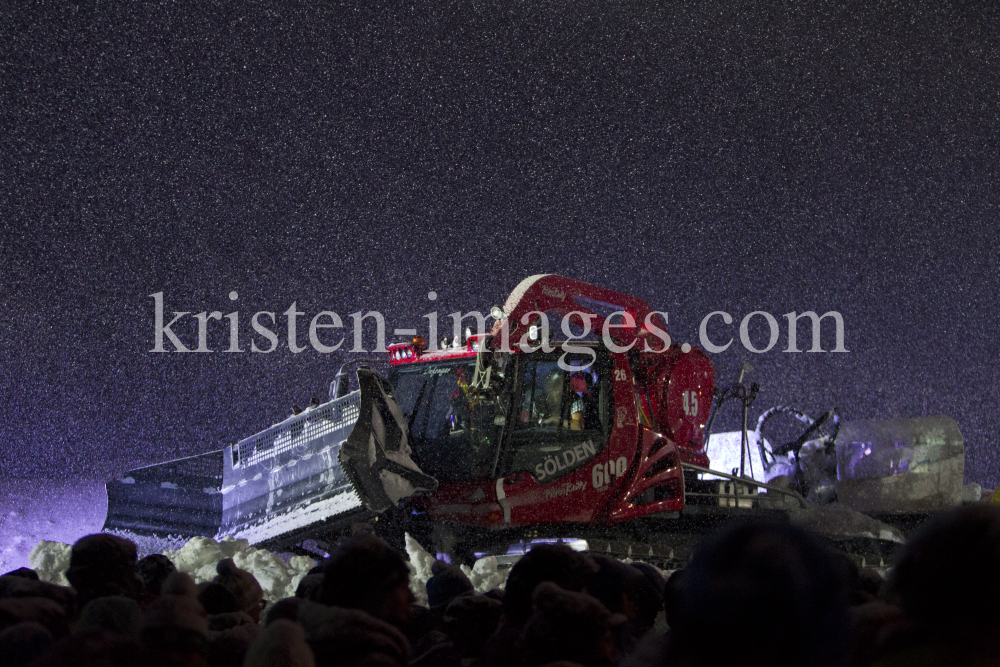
(824, 428)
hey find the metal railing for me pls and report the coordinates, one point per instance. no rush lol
(296, 432)
(737, 497)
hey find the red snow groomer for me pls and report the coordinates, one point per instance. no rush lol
(496, 440)
(530, 436)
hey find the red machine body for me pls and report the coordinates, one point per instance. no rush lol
(656, 399)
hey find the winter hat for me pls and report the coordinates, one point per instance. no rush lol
(578, 613)
(241, 584)
(446, 583)
(287, 608)
(117, 614)
(470, 620)
(176, 608)
(283, 644)
(947, 577)
(653, 576)
(349, 636)
(648, 596)
(435, 649)
(789, 579)
(364, 568)
(216, 598)
(23, 587)
(309, 587)
(179, 583)
(229, 637)
(612, 580)
(23, 572)
(153, 570)
(22, 643)
(557, 563)
(41, 610)
(566, 626)
(102, 565)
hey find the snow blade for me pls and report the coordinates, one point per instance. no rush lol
(376, 456)
(180, 497)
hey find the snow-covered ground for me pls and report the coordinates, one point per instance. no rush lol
(43, 509)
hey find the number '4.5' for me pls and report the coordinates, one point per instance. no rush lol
(689, 400)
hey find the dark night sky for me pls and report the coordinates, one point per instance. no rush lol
(703, 156)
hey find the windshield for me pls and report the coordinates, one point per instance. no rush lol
(453, 433)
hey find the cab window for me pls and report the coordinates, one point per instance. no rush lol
(452, 433)
(561, 417)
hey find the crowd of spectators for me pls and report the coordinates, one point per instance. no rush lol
(755, 593)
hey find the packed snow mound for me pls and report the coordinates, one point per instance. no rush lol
(198, 558)
(485, 574)
(278, 576)
(279, 579)
(420, 568)
(51, 560)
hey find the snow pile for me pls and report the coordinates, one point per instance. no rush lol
(485, 575)
(198, 558)
(51, 560)
(420, 568)
(277, 576)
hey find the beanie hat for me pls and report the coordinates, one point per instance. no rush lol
(240, 583)
(117, 614)
(576, 612)
(38, 609)
(566, 626)
(283, 644)
(103, 564)
(177, 607)
(13, 586)
(102, 552)
(364, 567)
(446, 583)
(350, 635)
(153, 570)
(470, 620)
(309, 587)
(23, 642)
(216, 598)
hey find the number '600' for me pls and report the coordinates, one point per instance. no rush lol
(603, 472)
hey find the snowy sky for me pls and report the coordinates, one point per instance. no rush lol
(346, 156)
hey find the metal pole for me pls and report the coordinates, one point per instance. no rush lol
(746, 368)
(743, 434)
